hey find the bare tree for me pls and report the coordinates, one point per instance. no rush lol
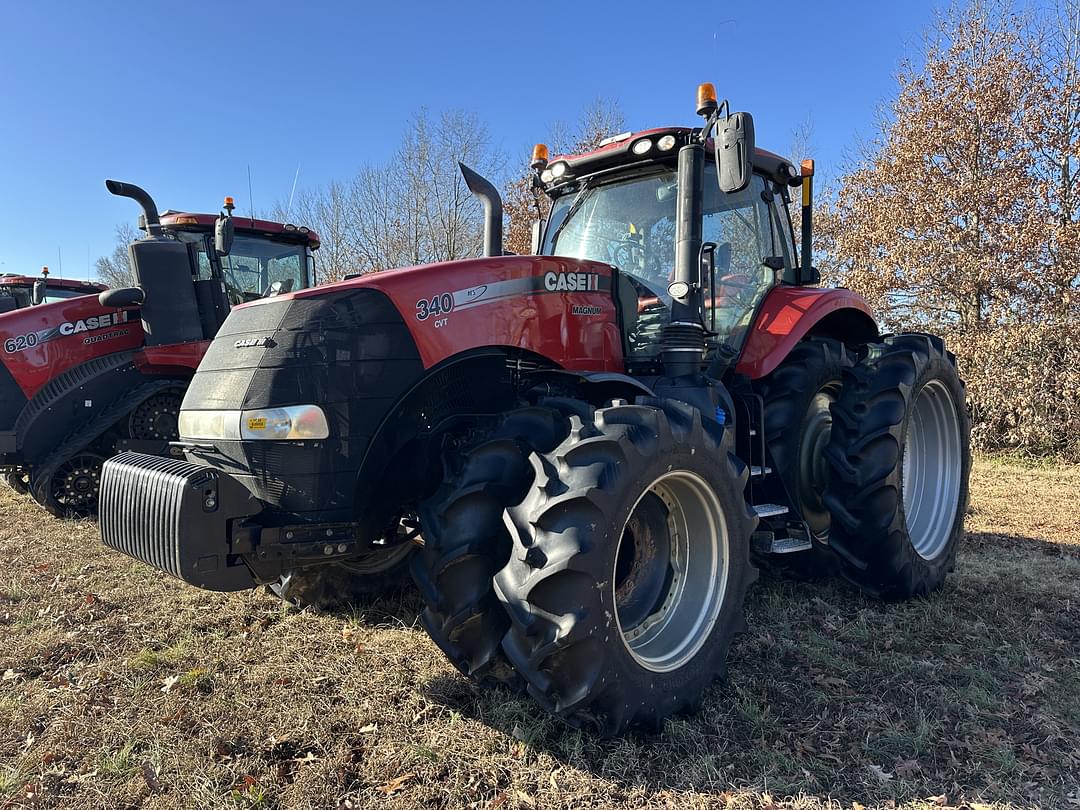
(115, 269)
(524, 203)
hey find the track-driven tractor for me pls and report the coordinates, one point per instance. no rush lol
(17, 292)
(82, 378)
(581, 454)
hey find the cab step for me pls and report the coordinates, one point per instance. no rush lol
(757, 471)
(789, 545)
(768, 510)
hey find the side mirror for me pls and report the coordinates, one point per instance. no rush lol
(122, 297)
(223, 235)
(37, 295)
(734, 148)
(8, 303)
(537, 235)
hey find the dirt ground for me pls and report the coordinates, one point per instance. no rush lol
(120, 687)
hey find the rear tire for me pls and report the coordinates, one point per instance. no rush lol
(629, 566)
(466, 541)
(798, 421)
(900, 458)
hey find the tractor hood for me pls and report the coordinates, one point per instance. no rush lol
(559, 307)
(365, 351)
(42, 342)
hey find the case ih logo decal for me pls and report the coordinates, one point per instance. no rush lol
(437, 307)
(94, 323)
(571, 282)
(253, 343)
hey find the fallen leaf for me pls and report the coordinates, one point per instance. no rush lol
(168, 684)
(396, 784)
(150, 776)
(10, 675)
(880, 773)
(938, 801)
(370, 727)
(525, 798)
(906, 767)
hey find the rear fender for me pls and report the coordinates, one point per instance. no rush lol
(789, 314)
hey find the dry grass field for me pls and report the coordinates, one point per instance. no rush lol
(122, 688)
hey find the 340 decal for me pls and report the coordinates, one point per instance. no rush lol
(436, 305)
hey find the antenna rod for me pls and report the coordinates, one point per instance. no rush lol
(251, 201)
(288, 207)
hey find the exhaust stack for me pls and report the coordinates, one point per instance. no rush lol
(493, 210)
(150, 212)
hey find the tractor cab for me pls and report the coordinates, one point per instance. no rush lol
(619, 205)
(191, 269)
(265, 258)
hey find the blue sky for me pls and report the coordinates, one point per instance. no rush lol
(182, 97)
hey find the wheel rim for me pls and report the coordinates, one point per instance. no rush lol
(670, 581)
(76, 483)
(813, 469)
(931, 470)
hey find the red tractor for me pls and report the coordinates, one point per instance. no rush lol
(85, 377)
(17, 292)
(579, 453)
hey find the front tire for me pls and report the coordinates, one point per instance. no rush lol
(466, 541)
(900, 458)
(629, 567)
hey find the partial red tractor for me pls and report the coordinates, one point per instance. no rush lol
(582, 453)
(17, 292)
(83, 377)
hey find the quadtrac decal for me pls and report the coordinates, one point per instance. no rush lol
(439, 305)
(95, 324)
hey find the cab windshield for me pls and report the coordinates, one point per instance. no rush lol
(630, 223)
(255, 264)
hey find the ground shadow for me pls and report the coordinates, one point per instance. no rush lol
(829, 696)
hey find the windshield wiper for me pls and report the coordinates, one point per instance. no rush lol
(575, 205)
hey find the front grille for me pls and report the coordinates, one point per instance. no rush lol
(175, 516)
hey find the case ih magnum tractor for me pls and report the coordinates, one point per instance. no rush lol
(595, 442)
(17, 292)
(83, 378)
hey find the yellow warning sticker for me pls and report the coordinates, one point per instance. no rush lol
(256, 423)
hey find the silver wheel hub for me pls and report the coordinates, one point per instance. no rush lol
(930, 473)
(671, 571)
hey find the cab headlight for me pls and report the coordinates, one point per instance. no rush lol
(292, 422)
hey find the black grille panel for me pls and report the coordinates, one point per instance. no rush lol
(155, 510)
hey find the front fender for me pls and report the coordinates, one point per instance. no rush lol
(788, 314)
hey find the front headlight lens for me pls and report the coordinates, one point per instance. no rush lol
(293, 422)
(210, 424)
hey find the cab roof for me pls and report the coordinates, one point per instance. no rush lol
(179, 220)
(55, 283)
(615, 151)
